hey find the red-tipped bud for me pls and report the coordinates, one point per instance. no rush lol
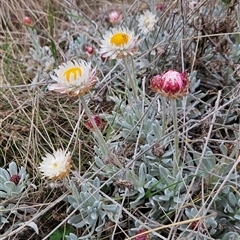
(159, 7)
(114, 17)
(191, 4)
(88, 49)
(28, 21)
(171, 84)
(104, 59)
(97, 120)
(143, 236)
(15, 179)
(196, 225)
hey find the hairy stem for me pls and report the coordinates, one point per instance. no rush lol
(131, 79)
(176, 136)
(97, 133)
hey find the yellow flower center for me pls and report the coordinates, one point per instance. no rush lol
(76, 71)
(55, 165)
(119, 39)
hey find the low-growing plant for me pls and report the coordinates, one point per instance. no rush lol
(126, 115)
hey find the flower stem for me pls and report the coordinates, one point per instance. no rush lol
(131, 79)
(164, 115)
(176, 137)
(97, 133)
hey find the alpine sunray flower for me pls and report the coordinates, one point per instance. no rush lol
(57, 165)
(73, 77)
(118, 43)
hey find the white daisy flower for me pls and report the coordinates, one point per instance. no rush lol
(118, 43)
(73, 77)
(146, 22)
(56, 165)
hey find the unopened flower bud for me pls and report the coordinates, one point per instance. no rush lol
(97, 120)
(171, 84)
(197, 225)
(159, 7)
(28, 21)
(114, 17)
(143, 236)
(104, 58)
(191, 5)
(15, 179)
(88, 49)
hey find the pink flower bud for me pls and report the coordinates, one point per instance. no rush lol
(196, 225)
(159, 7)
(191, 5)
(15, 179)
(97, 120)
(171, 84)
(88, 49)
(28, 21)
(114, 17)
(144, 236)
(104, 59)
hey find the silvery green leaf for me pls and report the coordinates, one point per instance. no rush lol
(228, 209)
(72, 237)
(111, 208)
(230, 236)
(164, 173)
(209, 162)
(97, 204)
(32, 225)
(139, 199)
(10, 185)
(4, 175)
(179, 199)
(157, 129)
(232, 199)
(163, 198)
(212, 231)
(223, 149)
(71, 199)
(12, 168)
(212, 222)
(237, 216)
(74, 191)
(100, 226)
(168, 153)
(142, 63)
(142, 174)
(75, 205)
(102, 214)
(77, 219)
(94, 215)
(191, 213)
(194, 86)
(3, 194)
